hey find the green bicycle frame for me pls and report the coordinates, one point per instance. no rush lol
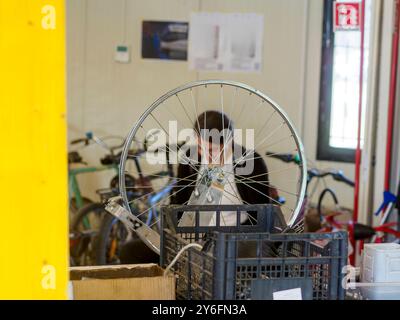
(74, 190)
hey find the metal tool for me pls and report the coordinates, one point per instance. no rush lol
(209, 190)
(149, 236)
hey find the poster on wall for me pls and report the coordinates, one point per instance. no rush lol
(230, 42)
(165, 40)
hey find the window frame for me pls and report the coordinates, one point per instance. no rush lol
(325, 152)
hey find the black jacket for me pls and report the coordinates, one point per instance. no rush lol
(254, 191)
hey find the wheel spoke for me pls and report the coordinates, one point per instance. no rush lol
(279, 141)
(184, 109)
(262, 141)
(243, 105)
(267, 196)
(268, 185)
(188, 160)
(147, 210)
(280, 170)
(156, 191)
(260, 157)
(265, 124)
(245, 121)
(245, 202)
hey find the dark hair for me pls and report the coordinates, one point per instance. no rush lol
(213, 119)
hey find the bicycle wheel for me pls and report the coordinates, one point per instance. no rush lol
(73, 207)
(255, 123)
(83, 232)
(113, 235)
(321, 199)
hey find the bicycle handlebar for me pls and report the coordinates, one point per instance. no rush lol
(76, 141)
(100, 141)
(167, 148)
(312, 173)
(335, 174)
(285, 157)
(339, 176)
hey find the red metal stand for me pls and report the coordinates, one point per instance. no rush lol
(358, 150)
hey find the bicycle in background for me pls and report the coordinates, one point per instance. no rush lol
(103, 242)
(358, 231)
(85, 217)
(145, 201)
(329, 222)
(76, 166)
(312, 174)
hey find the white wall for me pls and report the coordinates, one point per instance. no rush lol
(107, 97)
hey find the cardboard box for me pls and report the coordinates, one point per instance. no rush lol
(121, 282)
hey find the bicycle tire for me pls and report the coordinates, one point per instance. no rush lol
(130, 181)
(84, 211)
(321, 198)
(74, 208)
(88, 253)
(102, 240)
(131, 252)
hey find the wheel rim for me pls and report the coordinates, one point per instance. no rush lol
(302, 167)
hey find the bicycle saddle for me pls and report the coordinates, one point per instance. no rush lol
(363, 232)
(109, 160)
(74, 157)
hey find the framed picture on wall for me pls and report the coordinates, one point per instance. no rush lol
(165, 40)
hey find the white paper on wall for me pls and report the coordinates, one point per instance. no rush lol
(226, 42)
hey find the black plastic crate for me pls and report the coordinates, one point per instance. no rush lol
(264, 218)
(243, 263)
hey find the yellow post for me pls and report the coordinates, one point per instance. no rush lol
(33, 159)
